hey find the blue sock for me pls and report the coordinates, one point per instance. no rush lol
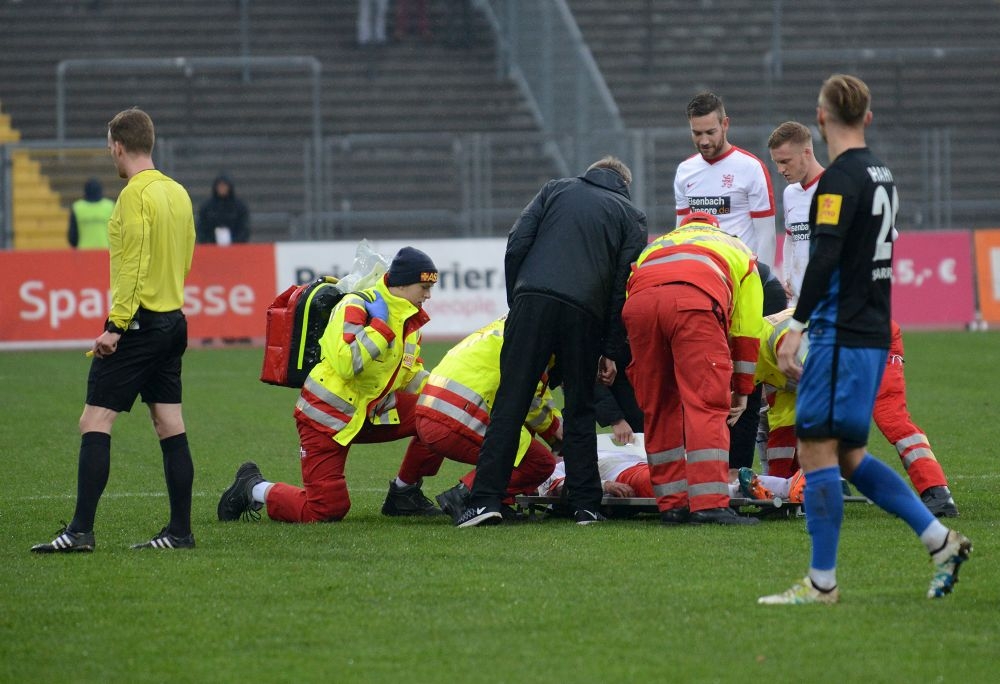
(889, 491)
(824, 513)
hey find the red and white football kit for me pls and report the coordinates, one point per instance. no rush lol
(795, 247)
(736, 188)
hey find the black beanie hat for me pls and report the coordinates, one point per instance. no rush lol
(409, 266)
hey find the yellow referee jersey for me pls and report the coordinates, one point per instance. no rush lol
(151, 242)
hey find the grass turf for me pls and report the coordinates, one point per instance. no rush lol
(374, 599)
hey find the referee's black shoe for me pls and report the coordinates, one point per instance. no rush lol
(67, 542)
(165, 540)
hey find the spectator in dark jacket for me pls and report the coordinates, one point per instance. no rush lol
(223, 218)
(568, 259)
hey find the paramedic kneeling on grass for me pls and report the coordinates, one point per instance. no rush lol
(364, 389)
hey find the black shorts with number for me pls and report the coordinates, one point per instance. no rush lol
(147, 363)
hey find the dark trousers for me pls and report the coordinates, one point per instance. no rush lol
(537, 328)
(743, 435)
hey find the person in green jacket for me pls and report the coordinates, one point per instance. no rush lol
(88, 218)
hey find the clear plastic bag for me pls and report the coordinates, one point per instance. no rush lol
(366, 270)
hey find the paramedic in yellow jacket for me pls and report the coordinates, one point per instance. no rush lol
(364, 389)
(454, 410)
(693, 314)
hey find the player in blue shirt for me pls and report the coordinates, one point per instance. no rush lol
(845, 300)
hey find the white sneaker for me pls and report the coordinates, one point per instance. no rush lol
(947, 560)
(801, 593)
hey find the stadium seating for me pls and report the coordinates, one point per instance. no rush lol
(656, 54)
(409, 126)
(255, 123)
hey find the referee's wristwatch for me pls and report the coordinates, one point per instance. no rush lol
(112, 328)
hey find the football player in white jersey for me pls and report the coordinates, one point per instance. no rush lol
(791, 148)
(725, 180)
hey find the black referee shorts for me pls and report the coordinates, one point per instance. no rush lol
(147, 363)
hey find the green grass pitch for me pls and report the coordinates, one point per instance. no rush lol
(373, 599)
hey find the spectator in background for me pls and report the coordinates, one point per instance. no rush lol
(411, 17)
(223, 218)
(88, 218)
(371, 21)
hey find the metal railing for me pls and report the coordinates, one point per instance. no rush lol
(187, 67)
(468, 184)
(542, 50)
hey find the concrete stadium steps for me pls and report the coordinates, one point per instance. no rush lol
(8, 133)
(657, 54)
(409, 86)
(39, 222)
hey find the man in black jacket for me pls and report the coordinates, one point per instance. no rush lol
(568, 258)
(223, 218)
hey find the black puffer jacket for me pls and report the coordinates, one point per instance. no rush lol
(229, 211)
(576, 242)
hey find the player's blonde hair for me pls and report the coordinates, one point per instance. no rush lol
(790, 131)
(846, 98)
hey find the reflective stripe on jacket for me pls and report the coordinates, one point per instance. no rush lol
(725, 269)
(364, 363)
(462, 387)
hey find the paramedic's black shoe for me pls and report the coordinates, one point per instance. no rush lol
(675, 516)
(408, 500)
(454, 501)
(165, 540)
(67, 542)
(585, 517)
(940, 502)
(720, 516)
(237, 501)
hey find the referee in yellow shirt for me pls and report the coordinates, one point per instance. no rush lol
(151, 235)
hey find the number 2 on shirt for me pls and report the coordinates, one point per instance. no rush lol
(886, 207)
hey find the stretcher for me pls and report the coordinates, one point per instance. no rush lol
(624, 507)
(617, 507)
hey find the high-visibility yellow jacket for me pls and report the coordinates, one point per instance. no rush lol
(779, 390)
(725, 269)
(364, 363)
(461, 389)
(92, 222)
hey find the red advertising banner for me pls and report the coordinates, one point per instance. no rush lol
(932, 283)
(60, 298)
